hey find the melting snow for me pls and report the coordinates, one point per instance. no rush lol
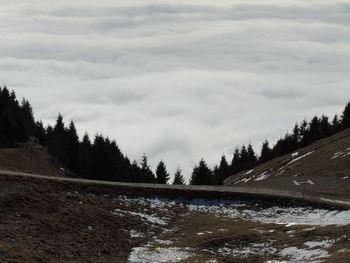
(299, 158)
(149, 218)
(321, 244)
(135, 234)
(303, 255)
(148, 255)
(250, 171)
(252, 249)
(295, 154)
(246, 210)
(263, 176)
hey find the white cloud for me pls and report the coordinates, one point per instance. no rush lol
(178, 80)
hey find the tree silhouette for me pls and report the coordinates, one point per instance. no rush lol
(178, 178)
(266, 152)
(162, 174)
(346, 117)
(201, 174)
(147, 174)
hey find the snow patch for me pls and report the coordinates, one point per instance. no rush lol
(146, 217)
(159, 255)
(299, 158)
(303, 255)
(135, 234)
(321, 244)
(250, 171)
(295, 154)
(263, 176)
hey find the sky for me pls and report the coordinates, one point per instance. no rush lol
(178, 80)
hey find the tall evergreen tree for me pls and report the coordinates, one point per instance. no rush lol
(178, 178)
(266, 152)
(235, 163)
(147, 174)
(325, 127)
(201, 174)
(346, 117)
(162, 174)
(72, 148)
(336, 124)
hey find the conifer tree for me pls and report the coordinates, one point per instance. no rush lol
(72, 148)
(147, 174)
(84, 156)
(178, 177)
(251, 155)
(235, 163)
(162, 174)
(201, 174)
(336, 124)
(40, 133)
(325, 127)
(346, 117)
(223, 171)
(266, 152)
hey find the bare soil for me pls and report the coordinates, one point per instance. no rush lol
(26, 160)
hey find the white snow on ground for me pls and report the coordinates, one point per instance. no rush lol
(146, 217)
(246, 210)
(164, 251)
(341, 154)
(252, 249)
(303, 255)
(295, 154)
(159, 255)
(263, 176)
(320, 244)
(135, 234)
(299, 158)
(249, 172)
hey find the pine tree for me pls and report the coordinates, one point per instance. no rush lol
(147, 174)
(40, 133)
(266, 152)
(296, 134)
(72, 148)
(304, 133)
(178, 178)
(315, 129)
(57, 145)
(201, 174)
(84, 156)
(235, 163)
(346, 117)
(251, 155)
(325, 127)
(223, 171)
(162, 174)
(336, 124)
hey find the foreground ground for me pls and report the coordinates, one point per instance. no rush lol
(48, 221)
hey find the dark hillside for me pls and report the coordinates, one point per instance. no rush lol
(324, 167)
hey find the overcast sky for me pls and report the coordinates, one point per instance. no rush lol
(178, 80)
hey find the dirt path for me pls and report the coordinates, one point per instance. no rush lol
(271, 195)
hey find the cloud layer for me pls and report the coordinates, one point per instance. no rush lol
(178, 80)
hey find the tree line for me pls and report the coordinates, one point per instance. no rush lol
(244, 158)
(99, 158)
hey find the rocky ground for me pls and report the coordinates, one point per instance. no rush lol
(48, 221)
